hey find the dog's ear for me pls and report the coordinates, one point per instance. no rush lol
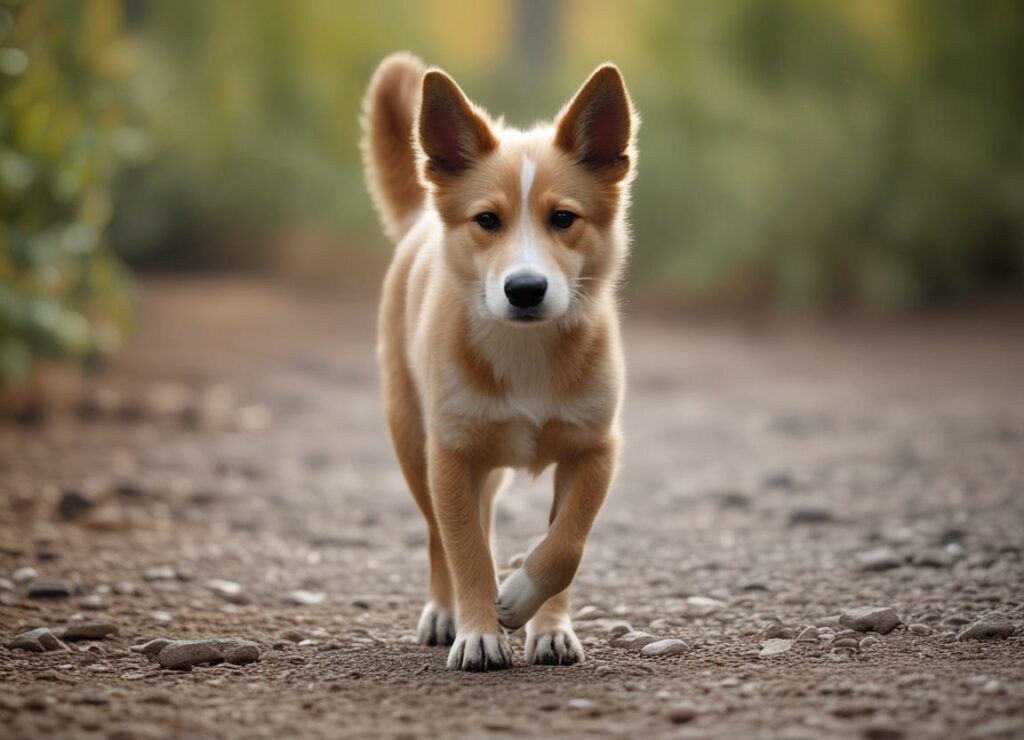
(452, 133)
(597, 126)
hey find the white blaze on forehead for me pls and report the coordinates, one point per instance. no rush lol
(526, 173)
(528, 257)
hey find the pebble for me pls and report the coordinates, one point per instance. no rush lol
(74, 504)
(810, 515)
(49, 588)
(161, 617)
(306, 598)
(93, 602)
(878, 559)
(183, 655)
(633, 640)
(702, 606)
(665, 647)
(869, 642)
(88, 630)
(682, 714)
(6, 584)
(151, 648)
(882, 620)
(934, 558)
(995, 627)
(40, 640)
(921, 629)
(160, 573)
(846, 642)
(228, 590)
(777, 630)
(775, 647)
(808, 634)
(589, 612)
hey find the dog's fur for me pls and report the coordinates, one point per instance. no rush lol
(475, 385)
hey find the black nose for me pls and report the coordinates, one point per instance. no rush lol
(525, 289)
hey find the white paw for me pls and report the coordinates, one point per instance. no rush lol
(476, 651)
(436, 626)
(518, 600)
(558, 646)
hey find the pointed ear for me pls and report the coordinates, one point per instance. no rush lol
(597, 126)
(452, 133)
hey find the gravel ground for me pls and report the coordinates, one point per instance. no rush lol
(231, 479)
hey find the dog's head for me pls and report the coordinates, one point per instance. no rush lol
(534, 220)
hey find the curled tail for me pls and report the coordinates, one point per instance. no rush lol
(389, 159)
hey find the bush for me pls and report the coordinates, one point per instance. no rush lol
(63, 137)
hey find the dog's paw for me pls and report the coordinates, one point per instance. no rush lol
(558, 646)
(436, 626)
(518, 600)
(480, 651)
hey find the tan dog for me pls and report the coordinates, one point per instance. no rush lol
(499, 336)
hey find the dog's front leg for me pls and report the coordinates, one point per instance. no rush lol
(581, 484)
(455, 485)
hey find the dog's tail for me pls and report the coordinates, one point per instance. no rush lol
(389, 115)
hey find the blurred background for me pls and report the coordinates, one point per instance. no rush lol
(806, 156)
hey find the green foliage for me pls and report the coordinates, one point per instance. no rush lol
(63, 294)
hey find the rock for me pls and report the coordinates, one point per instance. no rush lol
(306, 598)
(775, 647)
(74, 504)
(878, 559)
(590, 612)
(664, 647)
(88, 630)
(846, 642)
(161, 617)
(934, 558)
(810, 515)
(882, 620)
(702, 606)
(682, 714)
(633, 640)
(869, 642)
(995, 627)
(6, 584)
(160, 573)
(581, 703)
(994, 686)
(808, 634)
(777, 630)
(228, 590)
(921, 629)
(40, 640)
(151, 648)
(93, 602)
(183, 655)
(49, 588)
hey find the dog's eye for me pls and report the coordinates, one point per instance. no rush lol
(488, 221)
(563, 219)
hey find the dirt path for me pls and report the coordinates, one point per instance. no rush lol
(773, 478)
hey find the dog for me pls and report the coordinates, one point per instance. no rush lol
(499, 340)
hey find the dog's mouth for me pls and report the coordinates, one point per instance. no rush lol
(521, 316)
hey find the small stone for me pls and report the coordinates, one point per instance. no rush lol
(228, 590)
(185, 654)
(921, 629)
(74, 504)
(777, 630)
(878, 559)
(775, 647)
(88, 630)
(994, 686)
(40, 640)
(934, 558)
(590, 612)
(161, 617)
(160, 573)
(846, 642)
(306, 598)
(995, 627)
(93, 602)
(581, 703)
(665, 647)
(702, 606)
(682, 714)
(869, 642)
(633, 640)
(810, 515)
(6, 584)
(882, 620)
(151, 648)
(50, 588)
(808, 634)
(617, 627)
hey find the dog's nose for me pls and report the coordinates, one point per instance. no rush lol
(525, 289)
